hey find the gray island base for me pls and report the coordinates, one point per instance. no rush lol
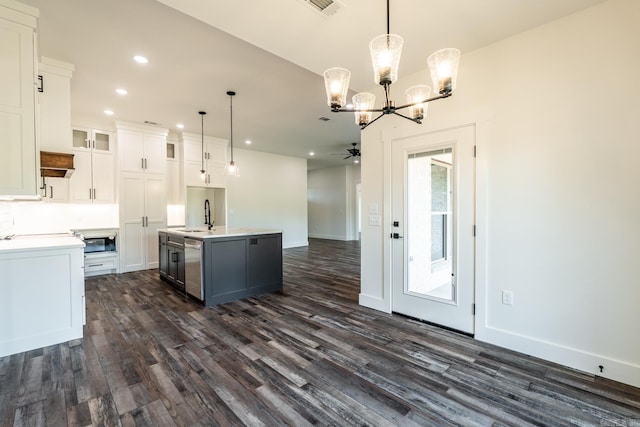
(221, 265)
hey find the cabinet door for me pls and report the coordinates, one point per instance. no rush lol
(265, 261)
(56, 190)
(133, 245)
(173, 183)
(81, 139)
(103, 176)
(192, 152)
(155, 154)
(101, 141)
(156, 215)
(192, 175)
(131, 151)
(226, 271)
(163, 255)
(18, 174)
(55, 111)
(80, 185)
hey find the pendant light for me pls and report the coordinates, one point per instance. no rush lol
(231, 169)
(385, 57)
(203, 173)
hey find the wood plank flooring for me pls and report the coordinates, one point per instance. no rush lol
(307, 356)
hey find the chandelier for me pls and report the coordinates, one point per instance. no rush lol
(385, 57)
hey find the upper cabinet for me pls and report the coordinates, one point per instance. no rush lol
(55, 105)
(142, 148)
(18, 78)
(94, 178)
(210, 154)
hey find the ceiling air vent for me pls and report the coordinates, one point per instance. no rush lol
(326, 7)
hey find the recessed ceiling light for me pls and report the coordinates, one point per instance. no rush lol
(356, 161)
(121, 91)
(140, 59)
(248, 142)
(180, 126)
(311, 153)
(108, 112)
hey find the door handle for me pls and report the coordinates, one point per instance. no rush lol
(51, 191)
(396, 236)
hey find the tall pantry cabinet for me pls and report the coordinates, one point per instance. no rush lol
(142, 193)
(18, 78)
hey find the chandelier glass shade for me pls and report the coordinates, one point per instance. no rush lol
(385, 57)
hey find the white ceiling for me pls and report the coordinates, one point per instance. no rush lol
(272, 53)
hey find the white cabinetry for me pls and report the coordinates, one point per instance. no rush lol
(55, 121)
(142, 150)
(215, 159)
(55, 189)
(94, 178)
(143, 194)
(19, 161)
(174, 178)
(55, 105)
(42, 291)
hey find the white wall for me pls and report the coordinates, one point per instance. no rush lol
(332, 202)
(271, 192)
(557, 208)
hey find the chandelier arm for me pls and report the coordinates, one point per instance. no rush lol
(418, 121)
(445, 95)
(351, 110)
(363, 127)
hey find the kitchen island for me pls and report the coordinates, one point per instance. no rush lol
(42, 289)
(223, 264)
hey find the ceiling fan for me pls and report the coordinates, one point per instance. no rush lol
(353, 152)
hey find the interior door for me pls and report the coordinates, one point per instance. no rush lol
(433, 208)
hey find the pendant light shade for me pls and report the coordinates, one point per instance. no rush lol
(443, 65)
(336, 83)
(415, 95)
(231, 169)
(363, 101)
(385, 58)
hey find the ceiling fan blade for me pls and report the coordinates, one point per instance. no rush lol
(346, 157)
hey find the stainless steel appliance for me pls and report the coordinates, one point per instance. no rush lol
(193, 268)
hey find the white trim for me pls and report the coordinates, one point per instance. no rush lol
(374, 303)
(330, 237)
(136, 127)
(297, 244)
(617, 370)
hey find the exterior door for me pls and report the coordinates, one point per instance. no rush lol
(433, 208)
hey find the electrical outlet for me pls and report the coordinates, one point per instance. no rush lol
(507, 297)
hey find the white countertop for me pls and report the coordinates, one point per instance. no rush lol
(218, 231)
(40, 241)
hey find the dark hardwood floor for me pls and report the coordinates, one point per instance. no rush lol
(308, 356)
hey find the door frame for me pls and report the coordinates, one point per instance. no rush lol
(481, 119)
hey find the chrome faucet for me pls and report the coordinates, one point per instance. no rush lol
(207, 214)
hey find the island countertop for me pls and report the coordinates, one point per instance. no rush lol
(218, 232)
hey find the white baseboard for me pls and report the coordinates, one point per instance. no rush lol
(617, 370)
(328, 237)
(286, 245)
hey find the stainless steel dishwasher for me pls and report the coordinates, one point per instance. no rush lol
(193, 268)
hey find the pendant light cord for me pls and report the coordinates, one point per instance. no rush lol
(231, 93)
(388, 31)
(202, 113)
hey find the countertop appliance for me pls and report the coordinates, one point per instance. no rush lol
(193, 268)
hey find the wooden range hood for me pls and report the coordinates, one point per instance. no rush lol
(56, 165)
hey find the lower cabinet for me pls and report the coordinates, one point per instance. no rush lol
(171, 259)
(241, 267)
(42, 300)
